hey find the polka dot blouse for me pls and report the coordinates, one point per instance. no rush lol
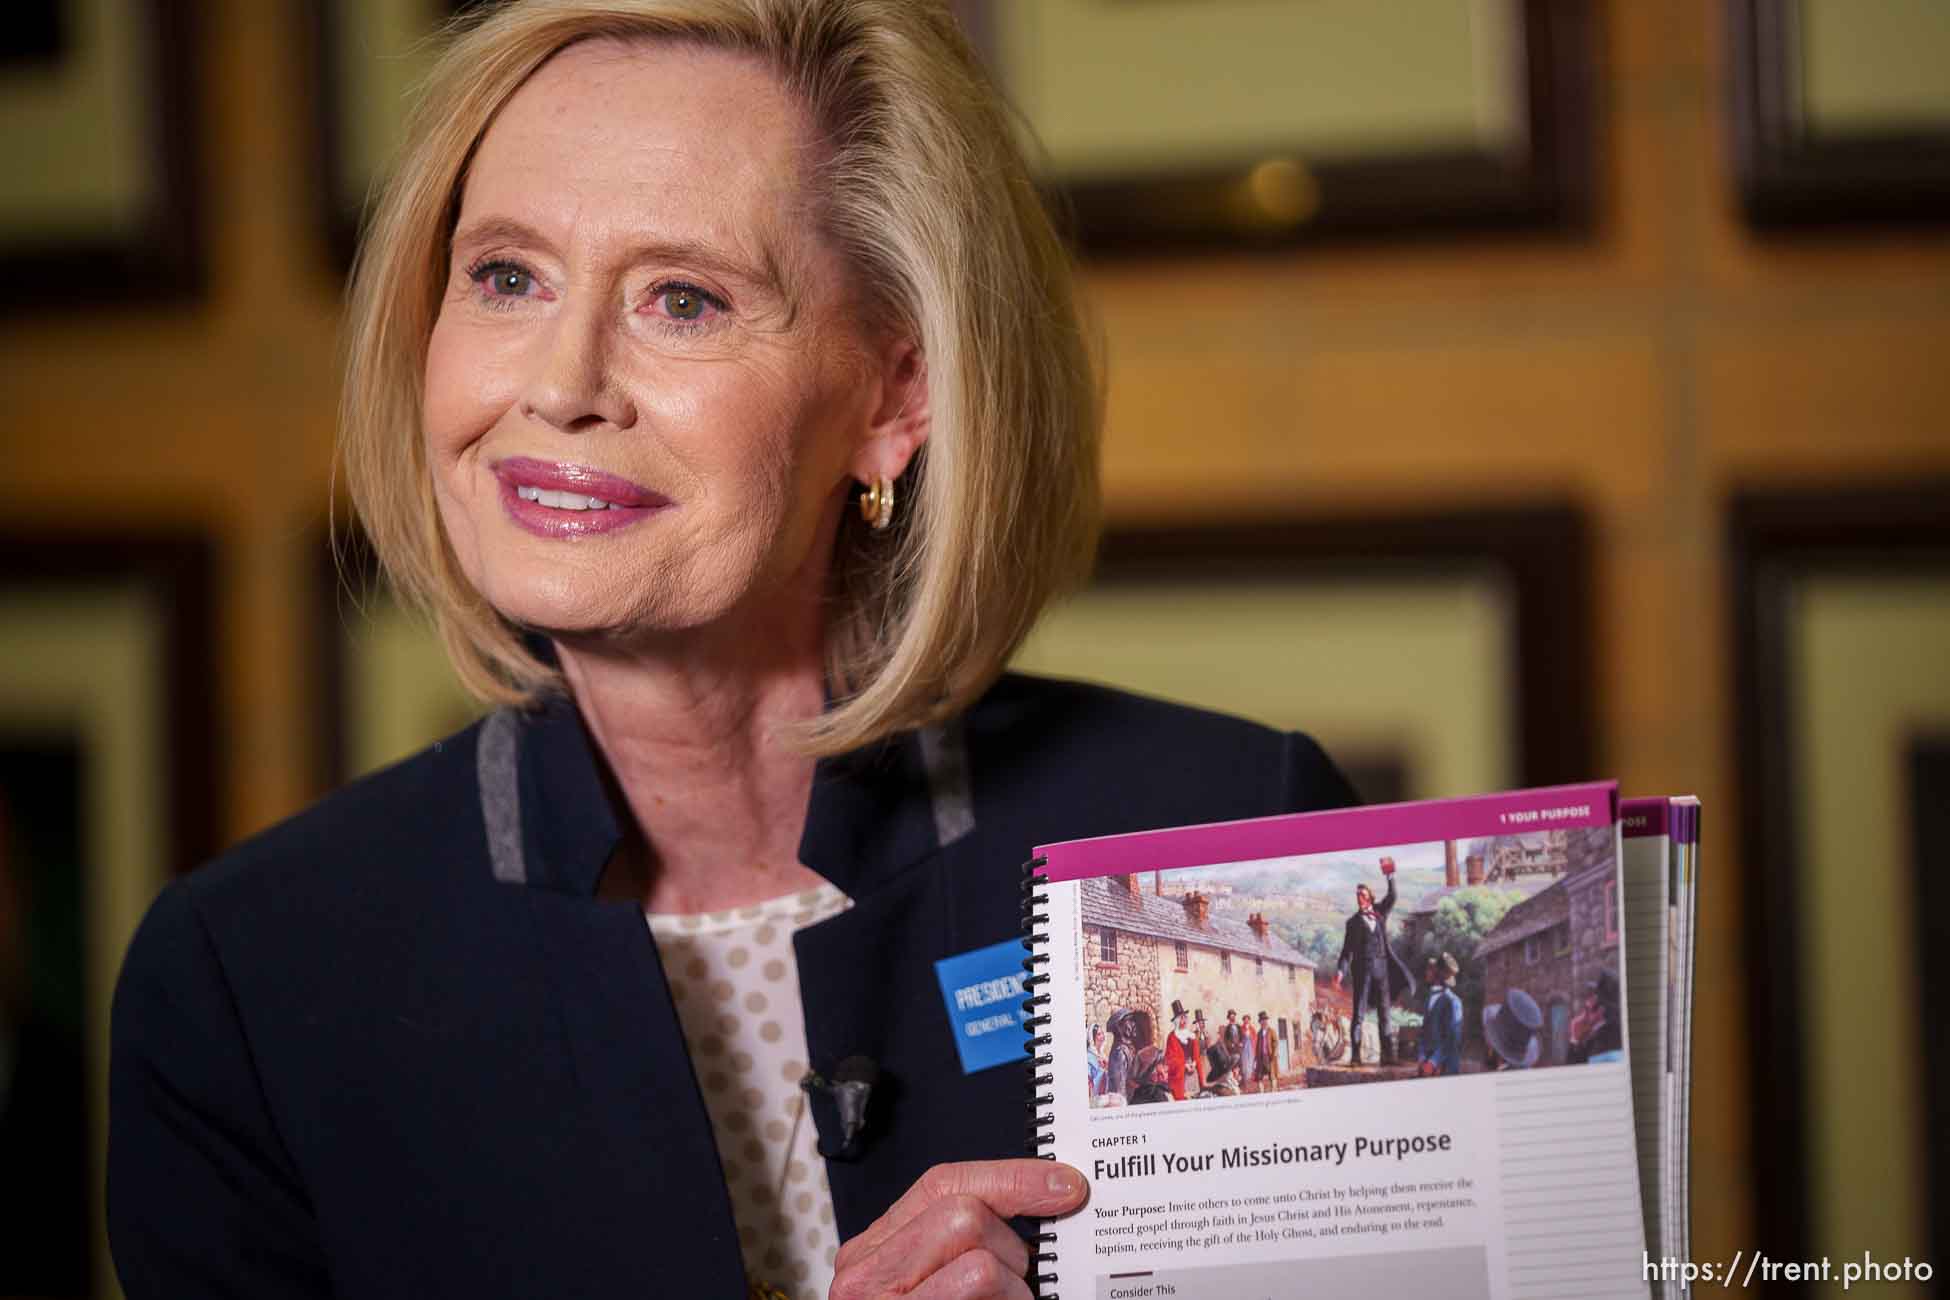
(737, 989)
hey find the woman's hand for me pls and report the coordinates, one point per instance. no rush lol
(947, 1239)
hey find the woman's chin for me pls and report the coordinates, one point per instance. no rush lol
(561, 615)
(596, 623)
(643, 607)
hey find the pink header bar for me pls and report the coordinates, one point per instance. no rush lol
(1643, 818)
(1554, 808)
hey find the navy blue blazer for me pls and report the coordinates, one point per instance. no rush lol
(396, 1046)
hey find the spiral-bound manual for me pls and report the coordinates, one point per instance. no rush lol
(1376, 1051)
(1036, 1024)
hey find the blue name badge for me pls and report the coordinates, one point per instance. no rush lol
(984, 993)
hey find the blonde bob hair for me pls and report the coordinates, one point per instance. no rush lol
(921, 186)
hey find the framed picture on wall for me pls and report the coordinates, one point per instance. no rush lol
(98, 128)
(387, 690)
(1840, 110)
(364, 58)
(108, 787)
(1433, 655)
(1231, 122)
(1841, 637)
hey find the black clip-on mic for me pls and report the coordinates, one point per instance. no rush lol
(839, 1106)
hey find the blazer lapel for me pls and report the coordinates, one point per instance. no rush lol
(641, 1140)
(644, 1137)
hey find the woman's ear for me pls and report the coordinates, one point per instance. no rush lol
(901, 418)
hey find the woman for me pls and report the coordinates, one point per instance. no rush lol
(1248, 1055)
(657, 288)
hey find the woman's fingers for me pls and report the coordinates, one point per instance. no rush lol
(947, 1236)
(955, 1247)
(947, 1230)
(974, 1276)
(1041, 1188)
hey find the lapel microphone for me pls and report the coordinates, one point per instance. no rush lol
(839, 1106)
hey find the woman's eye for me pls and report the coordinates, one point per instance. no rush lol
(504, 280)
(685, 303)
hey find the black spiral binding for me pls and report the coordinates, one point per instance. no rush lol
(1035, 934)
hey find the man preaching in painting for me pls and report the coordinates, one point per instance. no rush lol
(1379, 975)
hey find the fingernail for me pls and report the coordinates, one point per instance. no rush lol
(1065, 1181)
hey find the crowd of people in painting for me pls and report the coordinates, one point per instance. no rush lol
(1243, 1056)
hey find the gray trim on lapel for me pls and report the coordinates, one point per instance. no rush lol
(497, 766)
(944, 753)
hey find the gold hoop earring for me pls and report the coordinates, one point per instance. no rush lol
(877, 503)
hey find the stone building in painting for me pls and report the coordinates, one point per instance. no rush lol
(1554, 943)
(1142, 949)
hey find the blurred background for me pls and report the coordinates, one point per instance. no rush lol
(1507, 391)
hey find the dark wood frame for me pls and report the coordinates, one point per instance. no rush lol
(340, 224)
(1409, 195)
(178, 570)
(1929, 802)
(1774, 539)
(164, 258)
(1543, 551)
(346, 574)
(1790, 178)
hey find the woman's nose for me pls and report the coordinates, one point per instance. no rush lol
(574, 387)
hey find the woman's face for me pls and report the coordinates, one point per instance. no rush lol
(649, 381)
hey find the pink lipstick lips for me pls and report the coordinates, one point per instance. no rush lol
(552, 499)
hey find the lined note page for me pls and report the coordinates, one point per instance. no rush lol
(1572, 1227)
